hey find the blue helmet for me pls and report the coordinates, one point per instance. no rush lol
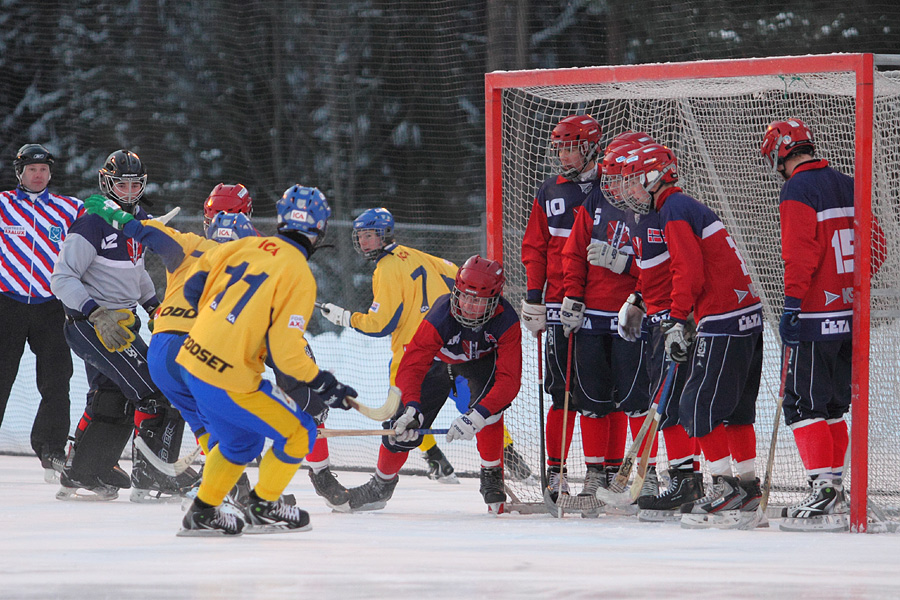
(303, 210)
(379, 220)
(230, 226)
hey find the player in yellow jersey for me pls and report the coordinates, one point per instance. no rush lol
(255, 297)
(404, 284)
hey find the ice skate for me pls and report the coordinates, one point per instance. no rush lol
(747, 515)
(628, 509)
(492, 489)
(439, 468)
(53, 463)
(684, 487)
(117, 477)
(88, 488)
(557, 485)
(151, 486)
(372, 495)
(726, 496)
(210, 522)
(330, 489)
(264, 516)
(594, 478)
(819, 511)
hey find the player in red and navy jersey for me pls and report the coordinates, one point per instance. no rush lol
(33, 225)
(816, 209)
(476, 332)
(574, 147)
(610, 378)
(653, 297)
(709, 276)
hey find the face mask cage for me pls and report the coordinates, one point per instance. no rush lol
(471, 310)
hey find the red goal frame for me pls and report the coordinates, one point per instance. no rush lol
(862, 65)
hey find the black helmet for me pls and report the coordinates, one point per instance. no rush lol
(123, 166)
(31, 154)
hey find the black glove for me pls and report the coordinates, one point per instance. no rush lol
(331, 391)
(789, 328)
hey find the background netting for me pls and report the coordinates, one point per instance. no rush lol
(715, 127)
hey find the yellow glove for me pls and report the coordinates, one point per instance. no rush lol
(112, 327)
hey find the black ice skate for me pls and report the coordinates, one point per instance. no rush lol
(149, 485)
(372, 495)
(439, 468)
(209, 522)
(264, 516)
(87, 488)
(328, 487)
(117, 477)
(492, 489)
(720, 507)
(684, 487)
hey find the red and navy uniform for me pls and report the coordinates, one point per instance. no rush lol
(549, 226)
(817, 211)
(497, 345)
(709, 276)
(610, 372)
(817, 247)
(721, 293)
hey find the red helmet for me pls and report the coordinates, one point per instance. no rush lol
(619, 149)
(642, 170)
(576, 131)
(227, 198)
(784, 138)
(476, 292)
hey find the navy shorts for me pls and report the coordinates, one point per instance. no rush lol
(723, 383)
(818, 383)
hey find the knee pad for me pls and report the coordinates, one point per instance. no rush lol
(111, 406)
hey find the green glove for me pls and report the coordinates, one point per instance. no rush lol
(107, 210)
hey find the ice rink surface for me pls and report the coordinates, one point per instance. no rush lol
(432, 541)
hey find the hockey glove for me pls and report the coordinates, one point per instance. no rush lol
(406, 424)
(571, 315)
(789, 328)
(107, 210)
(630, 317)
(464, 427)
(111, 327)
(601, 254)
(534, 317)
(331, 391)
(336, 314)
(676, 345)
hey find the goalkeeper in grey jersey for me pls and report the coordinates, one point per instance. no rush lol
(100, 278)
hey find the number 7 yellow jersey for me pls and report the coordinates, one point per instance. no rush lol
(405, 284)
(251, 295)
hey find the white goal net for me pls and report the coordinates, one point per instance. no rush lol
(715, 126)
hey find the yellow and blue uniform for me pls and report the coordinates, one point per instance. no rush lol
(252, 295)
(405, 284)
(175, 316)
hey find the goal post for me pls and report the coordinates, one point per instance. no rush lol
(714, 114)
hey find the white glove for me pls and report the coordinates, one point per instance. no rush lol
(571, 315)
(406, 424)
(601, 254)
(630, 317)
(168, 216)
(534, 317)
(464, 427)
(336, 314)
(676, 345)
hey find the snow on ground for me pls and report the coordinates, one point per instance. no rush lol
(432, 541)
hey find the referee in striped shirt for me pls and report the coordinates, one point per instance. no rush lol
(33, 225)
